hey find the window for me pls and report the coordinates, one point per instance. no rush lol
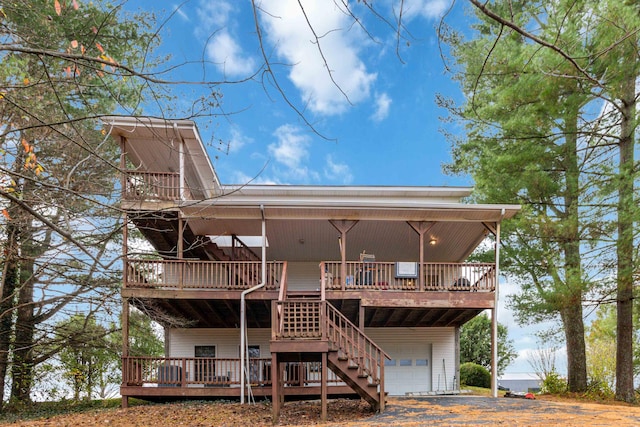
(254, 363)
(205, 370)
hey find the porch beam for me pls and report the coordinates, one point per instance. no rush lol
(421, 228)
(343, 226)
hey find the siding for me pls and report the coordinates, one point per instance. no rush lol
(303, 276)
(227, 341)
(404, 344)
(440, 342)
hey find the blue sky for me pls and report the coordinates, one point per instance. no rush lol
(378, 116)
(376, 123)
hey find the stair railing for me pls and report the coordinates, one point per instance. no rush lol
(355, 345)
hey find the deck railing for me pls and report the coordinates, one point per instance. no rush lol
(355, 346)
(214, 372)
(319, 320)
(473, 277)
(151, 185)
(189, 274)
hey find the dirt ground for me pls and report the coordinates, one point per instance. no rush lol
(420, 411)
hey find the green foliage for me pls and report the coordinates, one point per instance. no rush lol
(88, 356)
(535, 132)
(472, 374)
(475, 343)
(554, 384)
(61, 70)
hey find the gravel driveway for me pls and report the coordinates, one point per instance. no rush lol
(475, 410)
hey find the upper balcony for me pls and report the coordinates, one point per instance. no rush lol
(237, 276)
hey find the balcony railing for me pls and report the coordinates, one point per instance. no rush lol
(151, 185)
(188, 274)
(215, 372)
(472, 277)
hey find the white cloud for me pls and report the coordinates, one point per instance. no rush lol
(291, 149)
(239, 177)
(383, 104)
(222, 47)
(213, 15)
(288, 30)
(179, 10)
(429, 9)
(238, 140)
(227, 54)
(337, 171)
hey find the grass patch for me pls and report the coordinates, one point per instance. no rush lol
(43, 410)
(478, 391)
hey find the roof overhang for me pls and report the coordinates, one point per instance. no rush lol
(153, 144)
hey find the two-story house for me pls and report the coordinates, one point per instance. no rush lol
(293, 291)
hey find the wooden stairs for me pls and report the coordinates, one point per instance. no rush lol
(305, 327)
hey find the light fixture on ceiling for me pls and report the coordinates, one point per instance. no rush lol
(433, 242)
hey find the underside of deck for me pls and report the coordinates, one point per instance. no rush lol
(382, 309)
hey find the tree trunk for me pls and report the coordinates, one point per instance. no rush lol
(576, 360)
(8, 300)
(22, 366)
(571, 309)
(625, 248)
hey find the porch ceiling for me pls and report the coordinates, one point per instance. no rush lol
(226, 314)
(317, 240)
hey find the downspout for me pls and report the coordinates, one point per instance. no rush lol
(494, 317)
(244, 347)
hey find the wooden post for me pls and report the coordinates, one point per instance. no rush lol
(125, 346)
(361, 316)
(343, 260)
(343, 227)
(124, 179)
(323, 388)
(383, 396)
(421, 228)
(275, 386)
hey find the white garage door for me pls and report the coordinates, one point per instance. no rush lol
(409, 369)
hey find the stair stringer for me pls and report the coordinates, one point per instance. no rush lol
(353, 377)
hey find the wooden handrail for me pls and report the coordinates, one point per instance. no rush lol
(354, 344)
(438, 276)
(196, 274)
(314, 319)
(220, 372)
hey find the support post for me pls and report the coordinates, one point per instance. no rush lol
(276, 378)
(125, 347)
(494, 317)
(421, 228)
(323, 388)
(343, 227)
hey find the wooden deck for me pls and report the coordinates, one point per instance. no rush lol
(242, 275)
(160, 378)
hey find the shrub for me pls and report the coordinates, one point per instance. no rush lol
(554, 384)
(472, 374)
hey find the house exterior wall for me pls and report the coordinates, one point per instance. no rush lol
(303, 276)
(227, 341)
(423, 359)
